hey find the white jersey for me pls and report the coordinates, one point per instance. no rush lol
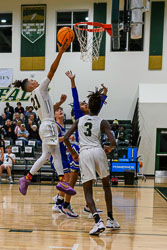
(42, 102)
(89, 132)
(7, 160)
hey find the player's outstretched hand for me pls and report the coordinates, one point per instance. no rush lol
(70, 75)
(63, 47)
(75, 157)
(63, 98)
(105, 89)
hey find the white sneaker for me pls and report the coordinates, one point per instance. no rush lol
(55, 198)
(10, 180)
(112, 224)
(98, 228)
(57, 208)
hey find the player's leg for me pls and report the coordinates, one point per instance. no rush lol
(88, 191)
(62, 185)
(60, 197)
(66, 206)
(102, 169)
(111, 223)
(88, 174)
(25, 181)
(8, 169)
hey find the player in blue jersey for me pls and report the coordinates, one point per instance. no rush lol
(63, 201)
(80, 109)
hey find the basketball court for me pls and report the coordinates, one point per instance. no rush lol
(118, 43)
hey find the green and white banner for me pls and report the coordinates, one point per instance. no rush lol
(33, 22)
(33, 37)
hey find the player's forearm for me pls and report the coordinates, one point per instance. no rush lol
(54, 65)
(73, 83)
(68, 144)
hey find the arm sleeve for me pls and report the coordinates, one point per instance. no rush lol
(44, 84)
(104, 97)
(77, 111)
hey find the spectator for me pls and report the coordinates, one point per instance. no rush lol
(30, 112)
(16, 118)
(23, 133)
(34, 133)
(115, 127)
(8, 161)
(19, 109)
(26, 113)
(9, 130)
(2, 119)
(1, 152)
(9, 111)
(17, 128)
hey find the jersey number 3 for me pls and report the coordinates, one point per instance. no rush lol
(35, 103)
(88, 131)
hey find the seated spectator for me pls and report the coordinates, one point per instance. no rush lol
(8, 161)
(19, 109)
(16, 118)
(9, 130)
(26, 113)
(23, 133)
(3, 119)
(17, 128)
(30, 112)
(1, 151)
(9, 111)
(115, 127)
(34, 133)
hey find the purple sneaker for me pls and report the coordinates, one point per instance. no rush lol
(65, 187)
(23, 185)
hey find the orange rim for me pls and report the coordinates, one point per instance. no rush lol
(101, 25)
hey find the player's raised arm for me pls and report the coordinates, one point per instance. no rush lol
(62, 100)
(105, 128)
(55, 64)
(71, 76)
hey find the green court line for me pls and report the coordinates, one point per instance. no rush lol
(161, 194)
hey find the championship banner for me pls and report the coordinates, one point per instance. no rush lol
(100, 15)
(156, 35)
(33, 37)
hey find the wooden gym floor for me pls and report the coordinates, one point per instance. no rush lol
(29, 223)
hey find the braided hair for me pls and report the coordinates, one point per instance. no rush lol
(95, 100)
(22, 84)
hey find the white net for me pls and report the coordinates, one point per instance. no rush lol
(89, 43)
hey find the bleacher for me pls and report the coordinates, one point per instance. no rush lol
(27, 154)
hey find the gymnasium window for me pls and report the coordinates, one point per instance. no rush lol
(68, 19)
(134, 44)
(5, 32)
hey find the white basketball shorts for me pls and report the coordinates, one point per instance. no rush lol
(91, 161)
(48, 132)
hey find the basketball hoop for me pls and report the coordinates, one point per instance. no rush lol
(90, 38)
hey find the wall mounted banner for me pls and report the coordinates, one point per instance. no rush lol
(156, 35)
(6, 77)
(33, 37)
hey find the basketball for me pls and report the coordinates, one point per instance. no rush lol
(65, 34)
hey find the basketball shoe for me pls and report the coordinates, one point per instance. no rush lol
(112, 224)
(24, 183)
(87, 210)
(98, 228)
(66, 188)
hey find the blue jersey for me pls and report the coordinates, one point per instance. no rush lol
(64, 157)
(74, 165)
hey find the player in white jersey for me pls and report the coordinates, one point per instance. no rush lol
(93, 159)
(48, 130)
